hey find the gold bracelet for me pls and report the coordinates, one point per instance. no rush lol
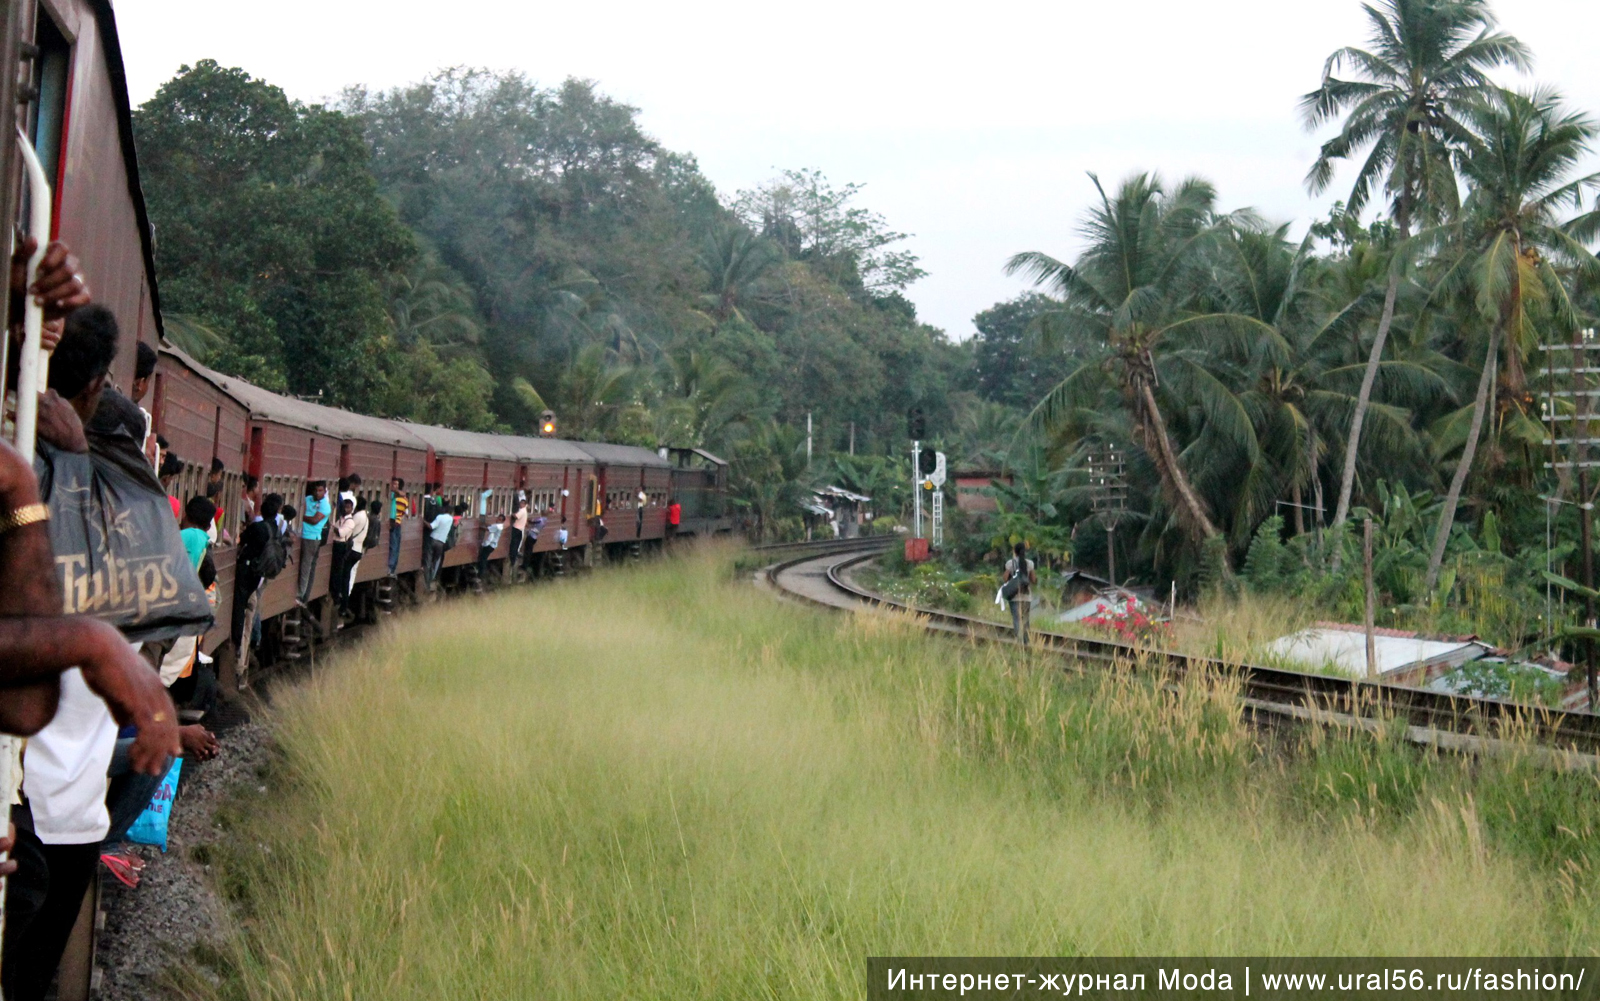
(27, 514)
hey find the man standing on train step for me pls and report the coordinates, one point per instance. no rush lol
(491, 542)
(433, 546)
(399, 507)
(519, 531)
(313, 525)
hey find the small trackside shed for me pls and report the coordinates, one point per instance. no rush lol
(622, 473)
(555, 474)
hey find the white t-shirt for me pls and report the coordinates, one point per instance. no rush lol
(64, 767)
(358, 531)
(491, 535)
(439, 528)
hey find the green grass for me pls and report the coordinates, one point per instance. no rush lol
(662, 784)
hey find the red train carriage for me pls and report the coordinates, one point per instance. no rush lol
(624, 472)
(290, 444)
(555, 473)
(380, 450)
(77, 115)
(202, 421)
(478, 470)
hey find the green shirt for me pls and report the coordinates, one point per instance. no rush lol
(195, 542)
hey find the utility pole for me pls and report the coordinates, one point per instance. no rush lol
(916, 488)
(852, 437)
(808, 438)
(1580, 369)
(1108, 493)
(1578, 461)
(1366, 560)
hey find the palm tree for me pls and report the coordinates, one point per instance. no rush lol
(1518, 160)
(1300, 398)
(736, 259)
(589, 394)
(430, 302)
(704, 399)
(1429, 58)
(1131, 297)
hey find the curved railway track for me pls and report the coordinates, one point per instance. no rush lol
(1455, 722)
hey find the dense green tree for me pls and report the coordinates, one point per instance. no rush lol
(1009, 363)
(270, 231)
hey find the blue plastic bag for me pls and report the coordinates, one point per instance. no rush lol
(151, 827)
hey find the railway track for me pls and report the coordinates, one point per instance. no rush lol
(1453, 722)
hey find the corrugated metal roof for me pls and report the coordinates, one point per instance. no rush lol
(622, 455)
(546, 449)
(1343, 649)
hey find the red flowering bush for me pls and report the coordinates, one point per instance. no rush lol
(1128, 623)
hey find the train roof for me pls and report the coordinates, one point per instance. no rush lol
(302, 414)
(546, 449)
(464, 444)
(622, 455)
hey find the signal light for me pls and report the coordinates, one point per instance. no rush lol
(547, 424)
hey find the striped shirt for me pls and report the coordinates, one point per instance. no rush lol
(399, 507)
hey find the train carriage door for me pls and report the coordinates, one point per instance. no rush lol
(50, 113)
(258, 438)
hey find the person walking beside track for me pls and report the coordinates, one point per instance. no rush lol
(399, 508)
(313, 525)
(1017, 587)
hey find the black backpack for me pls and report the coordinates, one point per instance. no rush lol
(374, 527)
(454, 536)
(274, 557)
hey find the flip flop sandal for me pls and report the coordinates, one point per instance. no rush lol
(119, 866)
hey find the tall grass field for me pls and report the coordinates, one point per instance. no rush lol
(663, 783)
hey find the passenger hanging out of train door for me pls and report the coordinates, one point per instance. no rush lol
(433, 545)
(491, 542)
(399, 507)
(519, 531)
(144, 370)
(313, 526)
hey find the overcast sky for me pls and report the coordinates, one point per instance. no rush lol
(971, 125)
